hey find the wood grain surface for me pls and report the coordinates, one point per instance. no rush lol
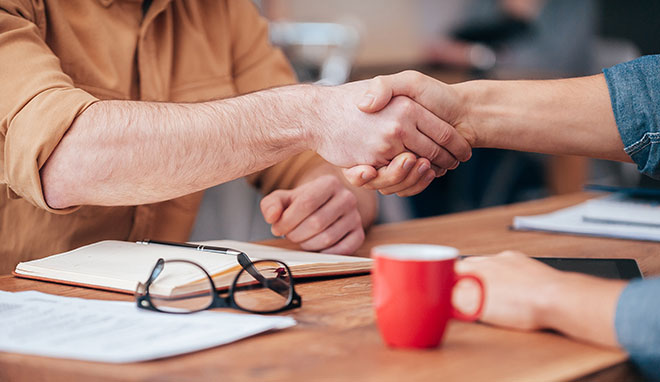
(337, 338)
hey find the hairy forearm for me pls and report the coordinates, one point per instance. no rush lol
(129, 153)
(588, 315)
(571, 116)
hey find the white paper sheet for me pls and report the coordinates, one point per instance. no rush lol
(571, 220)
(112, 331)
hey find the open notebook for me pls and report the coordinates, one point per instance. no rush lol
(119, 266)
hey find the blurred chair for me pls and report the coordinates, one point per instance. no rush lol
(319, 52)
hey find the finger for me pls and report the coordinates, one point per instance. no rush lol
(438, 171)
(360, 175)
(420, 186)
(422, 166)
(273, 204)
(444, 135)
(340, 204)
(382, 89)
(394, 173)
(349, 244)
(301, 207)
(333, 234)
(425, 147)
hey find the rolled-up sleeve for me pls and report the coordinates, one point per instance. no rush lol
(637, 324)
(39, 101)
(635, 94)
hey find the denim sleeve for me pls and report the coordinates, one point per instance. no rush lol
(635, 94)
(637, 325)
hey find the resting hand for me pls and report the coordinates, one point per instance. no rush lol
(514, 288)
(320, 215)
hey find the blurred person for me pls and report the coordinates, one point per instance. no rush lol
(614, 116)
(116, 115)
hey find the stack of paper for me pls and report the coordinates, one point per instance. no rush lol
(111, 331)
(617, 216)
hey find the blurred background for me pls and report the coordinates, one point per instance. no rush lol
(333, 42)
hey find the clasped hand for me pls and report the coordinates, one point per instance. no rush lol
(438, 140)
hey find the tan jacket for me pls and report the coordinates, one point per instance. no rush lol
(57, 57)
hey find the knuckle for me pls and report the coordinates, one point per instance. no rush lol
(510, 254)
(435, 153)
(444, 136)
(348, 199)
(413, 77)
(360, 236)
(378, 81)
(356, 219)
(405, 105)
(395, 131)
(314, 223)
(306, 203)
(333, 182)
(325, 240)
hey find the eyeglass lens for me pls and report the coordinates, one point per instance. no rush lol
(168, 295)
(263, 286)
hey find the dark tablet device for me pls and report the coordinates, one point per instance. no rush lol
(622, 269)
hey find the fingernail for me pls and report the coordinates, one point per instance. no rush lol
(430, 177)
(423, 168)
(365, 176)
(407, 164)
(367, 100)
(270, 211)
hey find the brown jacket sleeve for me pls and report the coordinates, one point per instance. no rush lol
(38, 103)
(258, 65)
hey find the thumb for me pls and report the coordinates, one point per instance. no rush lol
(360, 175)
(377, 96)
(274, 204)
(409, 83)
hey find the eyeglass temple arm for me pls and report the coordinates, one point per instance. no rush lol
(276, 285)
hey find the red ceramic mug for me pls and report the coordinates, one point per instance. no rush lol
(412, 290)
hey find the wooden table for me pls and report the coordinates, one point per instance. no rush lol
(337, 339)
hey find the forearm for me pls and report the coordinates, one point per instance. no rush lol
(126, 153)
(572, 116)
(367, 200)
(588, 315)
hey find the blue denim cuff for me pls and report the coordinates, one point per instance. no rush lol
(635, 94)
(637, 324)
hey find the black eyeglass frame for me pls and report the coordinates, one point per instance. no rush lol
(143, 300)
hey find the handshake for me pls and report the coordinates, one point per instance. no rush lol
(396, 133)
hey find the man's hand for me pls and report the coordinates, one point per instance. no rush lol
(320, 215)
(439, 98)
(514, 288)
(406, 175)
(347, 137)
(523, 293)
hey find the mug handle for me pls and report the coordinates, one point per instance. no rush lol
(474, 316)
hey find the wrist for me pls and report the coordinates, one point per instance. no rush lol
(468, 121)
(568, 293)
(547, 302)
(315, 103)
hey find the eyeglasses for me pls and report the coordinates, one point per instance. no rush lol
(263, 286)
